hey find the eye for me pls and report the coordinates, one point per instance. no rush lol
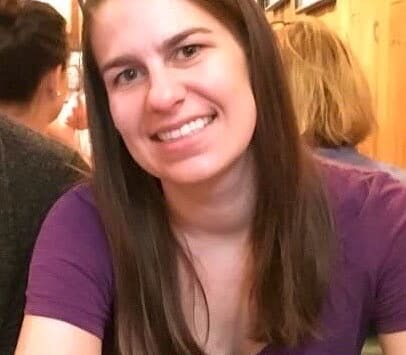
(187, 52)
(127, 76)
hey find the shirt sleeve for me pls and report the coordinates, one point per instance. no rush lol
(390, 302)
(70, 276)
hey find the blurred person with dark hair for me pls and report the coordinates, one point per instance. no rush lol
(34, 171)
(330, 93)
(33, 57)
(34, 53)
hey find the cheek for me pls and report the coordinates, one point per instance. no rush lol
(123, 112)
(227, 77)
(242, 94)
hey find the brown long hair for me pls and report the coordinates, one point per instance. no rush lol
(292, 228)
(329, 89)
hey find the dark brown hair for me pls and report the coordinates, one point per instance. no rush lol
(292, 229)
(33, 40)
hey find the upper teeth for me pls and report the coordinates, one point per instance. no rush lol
(185, 130)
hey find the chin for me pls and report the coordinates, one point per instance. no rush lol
(191, 178)
(196, 174)
(201, 170)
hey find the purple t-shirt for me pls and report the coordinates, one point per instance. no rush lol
(71, 276)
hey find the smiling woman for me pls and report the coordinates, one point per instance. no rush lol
(162, 77)
(208, 227)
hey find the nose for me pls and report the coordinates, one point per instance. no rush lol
(166, 91)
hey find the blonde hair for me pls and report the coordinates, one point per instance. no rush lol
(329, 90)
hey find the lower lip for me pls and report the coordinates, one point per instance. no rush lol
(185, 146)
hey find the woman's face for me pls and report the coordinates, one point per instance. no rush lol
(178, 87)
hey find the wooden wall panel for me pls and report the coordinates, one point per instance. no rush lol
(366, 34)
(76, 23)
(392, 141)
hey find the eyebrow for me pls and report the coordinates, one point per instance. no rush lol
(166, 44)
(173, 41)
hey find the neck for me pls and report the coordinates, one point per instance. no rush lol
(220, 208)
(31, 114)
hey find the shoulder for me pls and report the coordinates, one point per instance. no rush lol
(71, 276)
(369, 208)
(34, 172)
(395, 171)
(360, 188)
(365, 194)
(35, 169)
(350, 156)
(21, 144)
(73, 229)
(76, 216)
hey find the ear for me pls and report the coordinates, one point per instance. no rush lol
(54, 82)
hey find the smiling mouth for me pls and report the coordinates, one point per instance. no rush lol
(187, 129)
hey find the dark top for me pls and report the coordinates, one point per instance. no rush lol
(34, 172)
(71, 275)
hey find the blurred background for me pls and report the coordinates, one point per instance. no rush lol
(375, 31)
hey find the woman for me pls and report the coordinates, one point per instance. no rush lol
(212, 232)
(330, 93)
(33, 57)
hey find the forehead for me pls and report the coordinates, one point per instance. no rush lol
(149, 21)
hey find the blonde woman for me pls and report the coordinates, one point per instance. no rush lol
(330, 93)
